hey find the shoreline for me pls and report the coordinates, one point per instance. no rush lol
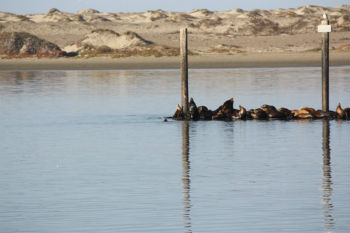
(246, 60)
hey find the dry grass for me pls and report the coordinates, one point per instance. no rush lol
(317, 49)
(156, 51)
(229, 49)
(54, 54)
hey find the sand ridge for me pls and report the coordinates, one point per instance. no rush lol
(111, 39)
(280, 30)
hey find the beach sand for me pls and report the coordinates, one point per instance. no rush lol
(220, 39)
(197, 61)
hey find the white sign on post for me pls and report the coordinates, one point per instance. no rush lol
(324, 28)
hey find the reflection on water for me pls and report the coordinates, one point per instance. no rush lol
(327, 177)
(186, 179)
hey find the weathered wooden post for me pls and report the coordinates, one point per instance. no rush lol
(325, 28)
(184, 70)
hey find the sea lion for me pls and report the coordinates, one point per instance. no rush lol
(235, 114)
(287, 114)
(347, 113)
(259, 114)
(242, 113)
(340, 112)
(224, 112)
(343, 113)
(179, 115)
(249, 114)
(330, 114)
(313, 112)
(302, 114)
(266, 108)
(204, 113)
(193, 110)
(272, 112)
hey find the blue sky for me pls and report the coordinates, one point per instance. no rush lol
(42, 6)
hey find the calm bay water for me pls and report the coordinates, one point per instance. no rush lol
(88, 151)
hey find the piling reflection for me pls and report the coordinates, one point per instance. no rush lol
(186, 182)
(327, 179)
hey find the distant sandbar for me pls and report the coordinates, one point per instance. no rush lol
(199, 61)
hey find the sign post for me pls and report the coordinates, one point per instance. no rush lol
(325, 29)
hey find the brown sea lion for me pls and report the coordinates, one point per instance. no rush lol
(315, 114)
(302, 114)
(340, 112)
(287, 114)
(272, 112)
(204, 113)
(179, 113)
(242, 113)
(259, 114)
(343, 113)
(225, 111)
(249, 114)
(347, 113)
(268, 108)
(235, 114)
(330, 114)
(193, 110)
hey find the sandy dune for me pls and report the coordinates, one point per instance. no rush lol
(111, 39)
(229, 32)
(251, 31)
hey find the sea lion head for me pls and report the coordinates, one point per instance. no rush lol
(242, 112)
(179, 113)
(268, 108)
(259, 114)
(340, 111)
(193, 110)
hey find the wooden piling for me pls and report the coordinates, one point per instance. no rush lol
(184, 70)
(325, 72)
(325, 28)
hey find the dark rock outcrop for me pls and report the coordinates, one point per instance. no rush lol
(25, 43)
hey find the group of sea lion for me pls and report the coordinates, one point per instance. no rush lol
(226, 112)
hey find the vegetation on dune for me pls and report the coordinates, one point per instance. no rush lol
(156, 51)
(23, 44)
(228, 49)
